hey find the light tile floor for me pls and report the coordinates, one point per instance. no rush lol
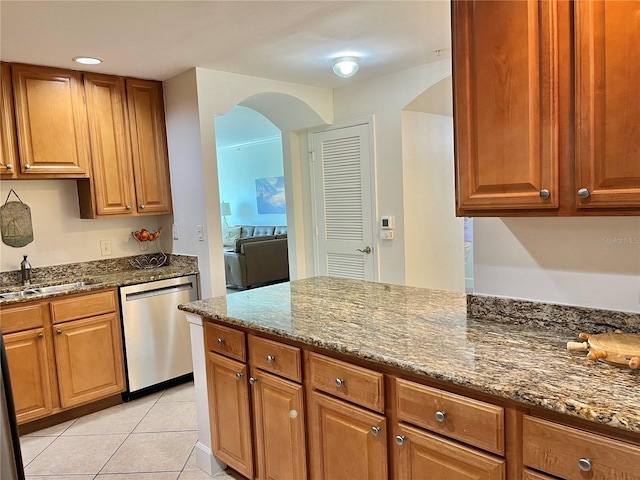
(151, 438)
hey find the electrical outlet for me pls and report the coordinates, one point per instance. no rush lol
(105, 248)
(174, 231)
(386, 234)
(200, 231)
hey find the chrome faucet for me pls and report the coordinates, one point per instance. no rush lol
(25, 270)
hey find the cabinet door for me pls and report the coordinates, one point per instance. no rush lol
(505, 58)
(112, 182)
(228, 390)
(346, 441)
(29, 371)
(149, 146)
(8, 151)
(89, 359)
(51, 122)
(278, 408)
(421, 455)
(607, 104)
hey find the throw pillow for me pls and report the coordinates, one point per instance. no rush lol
(230, 236)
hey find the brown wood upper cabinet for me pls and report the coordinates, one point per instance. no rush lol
(528, 140)
(8, 147)
(128, 141)
(51, 122)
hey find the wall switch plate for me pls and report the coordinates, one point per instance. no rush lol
(174, 231)
(386, 234)
(105, 248)
(200, 231)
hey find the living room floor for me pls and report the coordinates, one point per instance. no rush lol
(151, 438)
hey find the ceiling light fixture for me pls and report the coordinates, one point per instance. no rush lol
(87, 60)
(345, 67)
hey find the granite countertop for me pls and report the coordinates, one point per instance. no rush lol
(430, 333)
(96, 275)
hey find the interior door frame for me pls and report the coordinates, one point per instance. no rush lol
(369, 121)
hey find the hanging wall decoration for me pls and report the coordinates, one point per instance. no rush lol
(15, 222)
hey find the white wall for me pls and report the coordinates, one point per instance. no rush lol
(433, 235)
(60, 235)
(591, 262)
(385, 98)
(238, 168)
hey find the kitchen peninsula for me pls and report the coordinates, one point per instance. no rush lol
(418, 378)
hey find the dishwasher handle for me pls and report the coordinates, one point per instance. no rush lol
(129, 297)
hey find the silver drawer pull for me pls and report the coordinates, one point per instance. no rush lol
(221, 341)
(584, 464)
(400, 439)
(339, 382)
(271, 359)
(440, 416)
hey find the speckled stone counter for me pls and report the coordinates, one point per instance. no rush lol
(98, 275)
(429, 333)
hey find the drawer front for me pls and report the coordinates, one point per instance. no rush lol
(224, 340)
(275, 357)
(22, 317)
(531, 475)
(557, 450)
(83, 306)
(476, 423)
(355, 384)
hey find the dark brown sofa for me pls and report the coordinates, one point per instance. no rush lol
(259, 256)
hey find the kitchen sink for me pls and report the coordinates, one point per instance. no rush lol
(21, 293)
(60, 288)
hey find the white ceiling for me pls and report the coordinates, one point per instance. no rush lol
(292, 41)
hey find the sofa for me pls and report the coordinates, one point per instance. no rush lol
(255, 255)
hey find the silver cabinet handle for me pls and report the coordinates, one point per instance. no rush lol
(339, 382)
(239, 375)
(585, 464)
(440, 415)
(583, 193)
(544, 193)
(375, 431)
(41, 335)
(400, 439)
(8, 166)
(27, 166)
(142, 207)
(128, 207)
(252, 380)
(271, 359)
(59, 332)
(366, 249)
(221, 341)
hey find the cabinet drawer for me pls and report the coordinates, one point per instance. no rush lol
(476, 423)
(531, 475)
(557, 449)
(224, 340)
(83, 306)
(22, 317)
(356, 384)
(275, 357)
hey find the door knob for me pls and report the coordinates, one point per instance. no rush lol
(366, 249)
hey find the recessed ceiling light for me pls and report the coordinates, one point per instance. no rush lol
(345, 67)
(87, 60)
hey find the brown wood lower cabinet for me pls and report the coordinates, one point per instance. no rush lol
(57, 366)
(28, 359)
(279, 424)
(421, 455)
(89, 359)
(230, 412)
(346, 441)
(531, 475)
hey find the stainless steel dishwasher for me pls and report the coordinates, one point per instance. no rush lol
(156, 334)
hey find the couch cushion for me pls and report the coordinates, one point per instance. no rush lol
(231, 234)
(263, 231)
(247, 231)
(237, 247)
(280, 230)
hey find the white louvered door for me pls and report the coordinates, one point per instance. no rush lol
(343, 182)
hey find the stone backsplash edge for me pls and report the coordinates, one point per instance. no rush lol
(562, 318)
(78, 271)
